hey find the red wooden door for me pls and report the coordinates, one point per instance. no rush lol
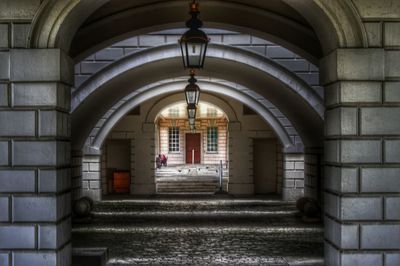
(193, 143)
(121, 182)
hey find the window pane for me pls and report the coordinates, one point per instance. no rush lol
(212, 139)
(173, 138)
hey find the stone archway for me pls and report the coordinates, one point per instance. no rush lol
(354, 81)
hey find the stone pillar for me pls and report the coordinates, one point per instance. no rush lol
(293, 176)
(313, 173)
(35, 158)
(241, 180)
(76, 170)
(91, 177)
(143, 181)
(362, 157)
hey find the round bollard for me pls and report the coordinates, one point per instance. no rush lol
(82, 207)
(300, 203)
(311, 209)
(90, 202)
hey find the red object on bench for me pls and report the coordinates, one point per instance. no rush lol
(121, 182)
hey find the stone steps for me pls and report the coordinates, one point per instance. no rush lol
(187, 184)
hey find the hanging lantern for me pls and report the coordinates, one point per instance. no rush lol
(192, 122)
(194, 42)
(192, 128)
(191, 109)
(192, 91)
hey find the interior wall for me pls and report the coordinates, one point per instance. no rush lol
(265, 166)
(118, 154)
(249, 126)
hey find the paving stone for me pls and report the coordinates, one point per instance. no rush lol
(202, 231)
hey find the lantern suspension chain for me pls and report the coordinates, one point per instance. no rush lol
(193, 44)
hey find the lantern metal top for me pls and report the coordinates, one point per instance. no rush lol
(194, 41)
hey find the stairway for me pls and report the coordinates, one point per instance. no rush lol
(186, 179)
(187, 184)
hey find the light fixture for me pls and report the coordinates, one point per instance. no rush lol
(192, 121)
(192, 91)
(191, 110)
(192, 128)
(194, 42)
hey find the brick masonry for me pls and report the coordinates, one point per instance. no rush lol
(293, 62)
(35, 156)
(362, 151)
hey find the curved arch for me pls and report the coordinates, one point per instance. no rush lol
(228, 53)
(344, 21)
(159, 89)
(205, 97)
(58, 22)
(290, 95)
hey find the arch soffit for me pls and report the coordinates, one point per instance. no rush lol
(57, 21)
(267, 66)
(158, 106)
(158, 89)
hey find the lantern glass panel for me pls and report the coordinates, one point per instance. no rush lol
(191, 111)
(192, 95)
(193, 48)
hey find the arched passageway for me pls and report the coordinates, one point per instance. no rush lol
(354, 42)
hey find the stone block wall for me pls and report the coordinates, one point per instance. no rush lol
(279, 166)
(35, 155)
(91, 176)
(293, 62)
(362, 150)
(76, 170)
(293, 176)
(313, 174)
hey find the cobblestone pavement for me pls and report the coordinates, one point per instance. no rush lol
(201, 231)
